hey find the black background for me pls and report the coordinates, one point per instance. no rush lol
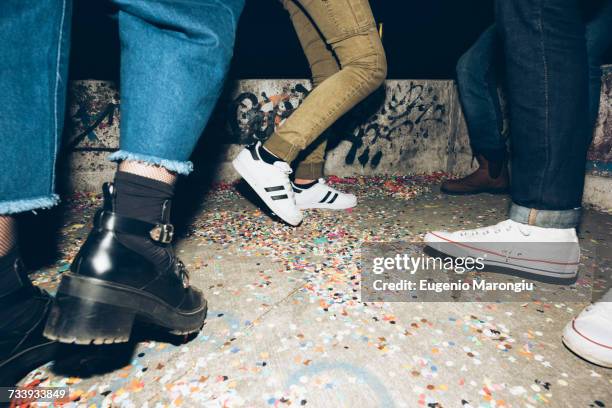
(422, 38)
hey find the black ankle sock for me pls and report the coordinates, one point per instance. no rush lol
(306, 185)
(140, 197)
(10, 279)
(143, 198)
(267, 156)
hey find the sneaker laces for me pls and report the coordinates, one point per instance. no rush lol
(284, 167)
(495, 229)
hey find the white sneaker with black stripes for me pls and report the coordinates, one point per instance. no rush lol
(322, 195)
(270, 182)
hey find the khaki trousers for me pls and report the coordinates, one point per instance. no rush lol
(347, 61)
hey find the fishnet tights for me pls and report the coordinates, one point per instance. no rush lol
(8, 234)
(149, 171)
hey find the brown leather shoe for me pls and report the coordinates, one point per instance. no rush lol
(491, 177)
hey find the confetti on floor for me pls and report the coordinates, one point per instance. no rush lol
(286, 329)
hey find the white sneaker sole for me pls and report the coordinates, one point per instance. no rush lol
(261, 192)
(539, 267)
(572, 339)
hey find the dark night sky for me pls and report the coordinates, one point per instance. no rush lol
(422, 38)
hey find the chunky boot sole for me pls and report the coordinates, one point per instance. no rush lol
(94, 311)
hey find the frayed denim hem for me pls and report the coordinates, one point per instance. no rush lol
(179, 167)
(28, 204)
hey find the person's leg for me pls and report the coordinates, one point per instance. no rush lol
(589, 335)
(33, 76)
(547, 88)
(312, 166)
(323, 64)
(349, 28)
(174, 57)
(477, 82)
(547, 76)
(599, 40)
(308, 181)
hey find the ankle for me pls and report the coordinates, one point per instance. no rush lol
(493, 155)
(267, 155)
(304, 185)
(141, 197)
(494, 161)
(148, 171)
(8, 234)
(298, 180)
(146, 200)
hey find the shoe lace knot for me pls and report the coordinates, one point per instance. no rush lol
(284, 167)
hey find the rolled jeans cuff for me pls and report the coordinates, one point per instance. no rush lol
(309, 171)
(282, 148)
(176, 166)
(28, 204)
(545, 218)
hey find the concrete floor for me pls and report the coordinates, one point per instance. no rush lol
(286, 328)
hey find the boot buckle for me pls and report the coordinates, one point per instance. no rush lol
(163, 233)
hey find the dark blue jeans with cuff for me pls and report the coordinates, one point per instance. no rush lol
(174, 57)
(553, 87)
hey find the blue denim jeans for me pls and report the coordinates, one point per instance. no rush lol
(478, 77)
(547, 76)
(174, 57)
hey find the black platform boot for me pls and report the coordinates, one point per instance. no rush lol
(22, 345)
(109, 285)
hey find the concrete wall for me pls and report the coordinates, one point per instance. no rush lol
(407, 127)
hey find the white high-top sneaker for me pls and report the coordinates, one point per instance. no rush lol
(322, 195)
(270, 182)
(540, 251)
(589, 335)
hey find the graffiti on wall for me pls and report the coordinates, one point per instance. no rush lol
(252, 118)
(395, 111)
(93, 117)
(401, 121)
(408, 110)
(600, 154)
